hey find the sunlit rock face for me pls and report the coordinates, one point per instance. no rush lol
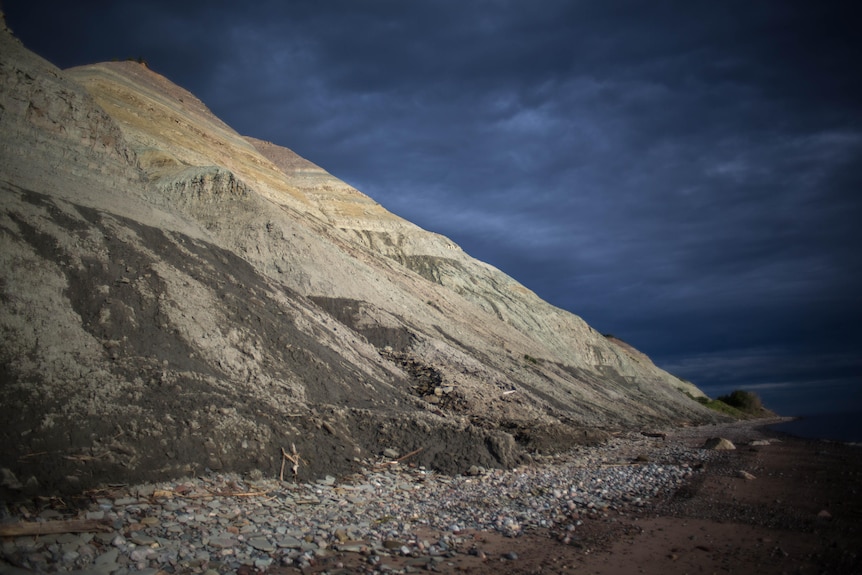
(176, 297)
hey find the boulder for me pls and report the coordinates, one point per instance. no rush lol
(719, 444)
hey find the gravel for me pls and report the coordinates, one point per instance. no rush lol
(219, 523)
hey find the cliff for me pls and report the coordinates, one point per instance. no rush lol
(178, 297)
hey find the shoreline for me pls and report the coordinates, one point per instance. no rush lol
(636, 504)
(840, 427)
(777, 504)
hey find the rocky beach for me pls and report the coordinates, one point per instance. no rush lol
(639, 503)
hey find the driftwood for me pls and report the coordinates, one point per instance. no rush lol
(294, 459)
(210, 494)
(399, 460)
(411, 454)
(23, 529)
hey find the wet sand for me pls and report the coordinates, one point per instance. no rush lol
(802, 513)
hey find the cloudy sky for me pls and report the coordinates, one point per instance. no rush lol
(684, 175)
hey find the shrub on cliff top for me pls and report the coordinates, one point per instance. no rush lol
(745, 401)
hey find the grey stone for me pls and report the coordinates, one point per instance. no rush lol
(8, 479)
(108, 557)
(50, 514)
(105, 538)
(262, 544)
(74, 538)
(223, 541)
(138, 555)
(141, 539)
(98, 569)
(145, 490)
(263, 563)
(288, 542)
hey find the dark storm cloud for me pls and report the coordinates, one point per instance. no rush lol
(685, 175)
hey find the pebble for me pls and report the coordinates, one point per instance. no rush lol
(183, 526)
(141, 539)
(262, 544)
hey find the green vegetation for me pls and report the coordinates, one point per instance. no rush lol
(721, 407)
(739, 404)
(530, 359)
(745, 401)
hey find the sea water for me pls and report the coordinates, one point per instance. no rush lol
(844, 427)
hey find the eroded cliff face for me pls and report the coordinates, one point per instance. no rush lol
(177, 296)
